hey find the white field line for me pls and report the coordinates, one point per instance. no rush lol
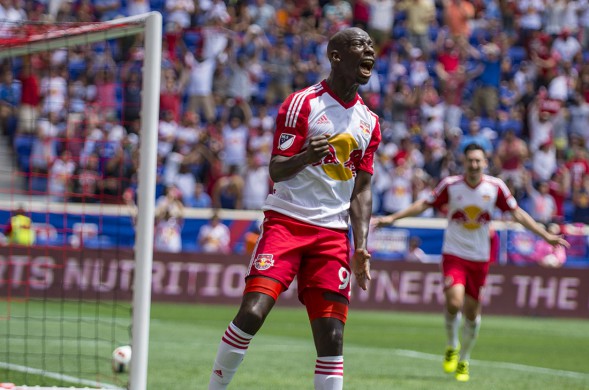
(432, 357)
(510, 366)
(57, 376)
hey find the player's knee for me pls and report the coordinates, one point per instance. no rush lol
(258, 300)
(250, 318)
(454, 297)
(454, 304)
(335, 336)
(255, 314)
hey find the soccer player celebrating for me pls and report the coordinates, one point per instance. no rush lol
(322, 165)
(471, 200)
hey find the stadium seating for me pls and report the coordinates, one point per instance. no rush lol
(23, 145)
(517, 54)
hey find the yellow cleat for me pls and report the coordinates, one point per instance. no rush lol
(462, 374)
(450, 360)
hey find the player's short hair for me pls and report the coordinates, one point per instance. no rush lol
(473, 146)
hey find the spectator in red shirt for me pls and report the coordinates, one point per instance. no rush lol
(510, 156)
(560, 189)
(30, 98)
(578, 165)
(361, 14)
(543, 58)
(448, 58)
(171, 93)
(106, 85)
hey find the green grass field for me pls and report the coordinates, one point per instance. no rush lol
(384, 350)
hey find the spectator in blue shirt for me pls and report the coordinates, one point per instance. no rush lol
(486, 96)
(108, 9)
(10, 93)
(200, 199)
(474, 135)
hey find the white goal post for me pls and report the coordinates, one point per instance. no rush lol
(149, 24)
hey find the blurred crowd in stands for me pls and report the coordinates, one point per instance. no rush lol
(510, 75)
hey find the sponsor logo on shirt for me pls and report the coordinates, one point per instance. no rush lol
(324, 125)
(323, 120)
(471, 217)
(286, 140)
(263, 262)
(365, 129)
(343, 158)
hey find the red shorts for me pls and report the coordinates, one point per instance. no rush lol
(471, 274)
(319, 257)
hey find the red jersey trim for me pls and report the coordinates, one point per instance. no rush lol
(349, 104)
(294, 108)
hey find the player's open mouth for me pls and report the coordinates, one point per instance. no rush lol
(366, 67)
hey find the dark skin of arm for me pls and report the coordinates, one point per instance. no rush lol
(283, 168)
(360, 212)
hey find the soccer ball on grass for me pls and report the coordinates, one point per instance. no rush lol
(121, 359)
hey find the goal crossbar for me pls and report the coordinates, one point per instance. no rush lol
(22, 42)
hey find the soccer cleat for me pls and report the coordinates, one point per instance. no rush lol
(450, 359)
(462, 374)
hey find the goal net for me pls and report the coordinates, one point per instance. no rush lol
(79, 110)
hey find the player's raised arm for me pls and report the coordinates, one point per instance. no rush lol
(416, 208)
(528, 222)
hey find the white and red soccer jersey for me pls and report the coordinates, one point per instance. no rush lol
(320, 193)
(469, 214)
(168, 236)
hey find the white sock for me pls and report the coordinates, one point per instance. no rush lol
(231, 352)
(470, 333)
(452, 326)
(329, 373)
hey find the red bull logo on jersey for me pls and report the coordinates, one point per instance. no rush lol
(471, 217)
(285, 141)
(343, 158)
(263, 262)
(365, 129)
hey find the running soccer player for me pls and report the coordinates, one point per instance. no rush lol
(322, 165)
(471, 200)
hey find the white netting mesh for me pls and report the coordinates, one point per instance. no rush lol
(66, 285)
